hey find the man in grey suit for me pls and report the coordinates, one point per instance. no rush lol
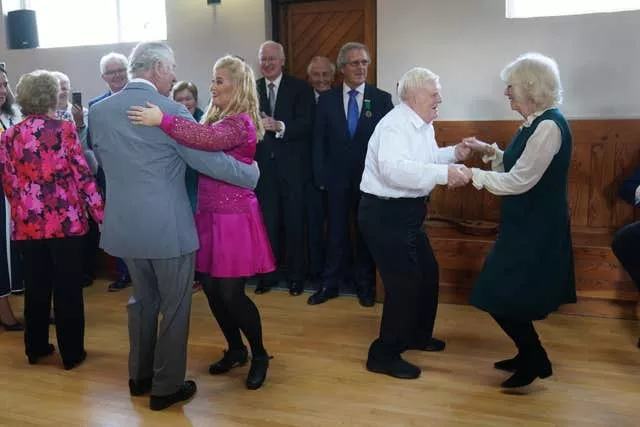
(149, 223)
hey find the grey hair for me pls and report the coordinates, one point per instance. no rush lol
(416, 78)
(534, 77)
(112, 56)
(348, 47)
(317, 59)
(271, 42)
(61, 77)
(146, 54)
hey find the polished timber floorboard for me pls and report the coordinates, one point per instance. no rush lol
(317, 377)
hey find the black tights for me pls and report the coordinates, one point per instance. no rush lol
(522, 333)
(235, 312)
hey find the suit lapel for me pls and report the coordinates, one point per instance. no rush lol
(283, 94)
(262, 95)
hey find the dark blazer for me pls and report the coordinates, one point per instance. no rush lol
(294, 107)
(629, 186)
(335, 153)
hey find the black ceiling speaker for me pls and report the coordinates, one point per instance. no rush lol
(22, 31)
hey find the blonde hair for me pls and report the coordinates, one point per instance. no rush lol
(534, 77)
(244, 96)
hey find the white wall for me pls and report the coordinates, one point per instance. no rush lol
(468, 42)
(197, 32)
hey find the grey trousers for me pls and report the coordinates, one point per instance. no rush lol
(160, 286)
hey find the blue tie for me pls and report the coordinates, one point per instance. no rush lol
(352, 112)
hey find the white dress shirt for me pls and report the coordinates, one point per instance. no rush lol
(541, 147)
(638, 196)
(403, 158)
(359, 98)
(276, 86)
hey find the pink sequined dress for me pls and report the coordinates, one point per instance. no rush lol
(233, 239)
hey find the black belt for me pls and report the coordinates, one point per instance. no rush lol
(373, 196)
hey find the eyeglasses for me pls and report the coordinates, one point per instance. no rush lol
(363, 62)
(269, 59)
(114, 72)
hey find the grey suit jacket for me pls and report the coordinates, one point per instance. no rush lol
(147, 213)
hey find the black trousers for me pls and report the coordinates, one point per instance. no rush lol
(343, 205)
(626, 247)
(281, 199)
(90, 254)
(8, 262)
(316, 209)
(53, 267)
(394, 232)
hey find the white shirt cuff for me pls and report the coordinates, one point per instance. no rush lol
(477, 178)
(494, 156)
(442, 174)
(638, 196)
(281, 133)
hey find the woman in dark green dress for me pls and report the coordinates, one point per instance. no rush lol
(529, 272)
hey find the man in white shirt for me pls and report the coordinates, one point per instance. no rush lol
(403, 165)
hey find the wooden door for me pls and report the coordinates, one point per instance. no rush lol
(321, 27)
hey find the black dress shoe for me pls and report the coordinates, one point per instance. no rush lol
(509, 365)
(13, 327)
(231, 359)
(258, 372)
(296, 288)
(398, 368)
(322, 296)
(33, 357)
(366, 299)
(532, 367)
(185, 392)
(433, 344)
(68, 365)
(140, 387)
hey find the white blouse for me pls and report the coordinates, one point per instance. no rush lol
(541, 147)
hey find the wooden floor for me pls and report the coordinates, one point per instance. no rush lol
(318, 377)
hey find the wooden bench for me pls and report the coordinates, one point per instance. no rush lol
(605, 152)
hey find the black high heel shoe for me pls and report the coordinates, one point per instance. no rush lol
(258, 372)
(231, 359)
(17, 326)
(33, 357)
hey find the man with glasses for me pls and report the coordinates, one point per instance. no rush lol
(113, 67)
(286, 105)
(345, 119)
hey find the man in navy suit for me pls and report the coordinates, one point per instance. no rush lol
(626, 241)
(113, 68)
(345, 119)
(286, 104)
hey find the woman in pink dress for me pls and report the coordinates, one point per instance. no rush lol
(233, 239)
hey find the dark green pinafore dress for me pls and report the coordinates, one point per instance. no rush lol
(529, 272)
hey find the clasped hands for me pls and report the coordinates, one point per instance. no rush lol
(269, 123)
(460, 175)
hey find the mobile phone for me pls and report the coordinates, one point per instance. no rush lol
(76, 98)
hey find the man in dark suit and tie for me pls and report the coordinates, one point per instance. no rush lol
(113, 68)
(345, 119)
(626, 241)
(286, 104)
(321, 72)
